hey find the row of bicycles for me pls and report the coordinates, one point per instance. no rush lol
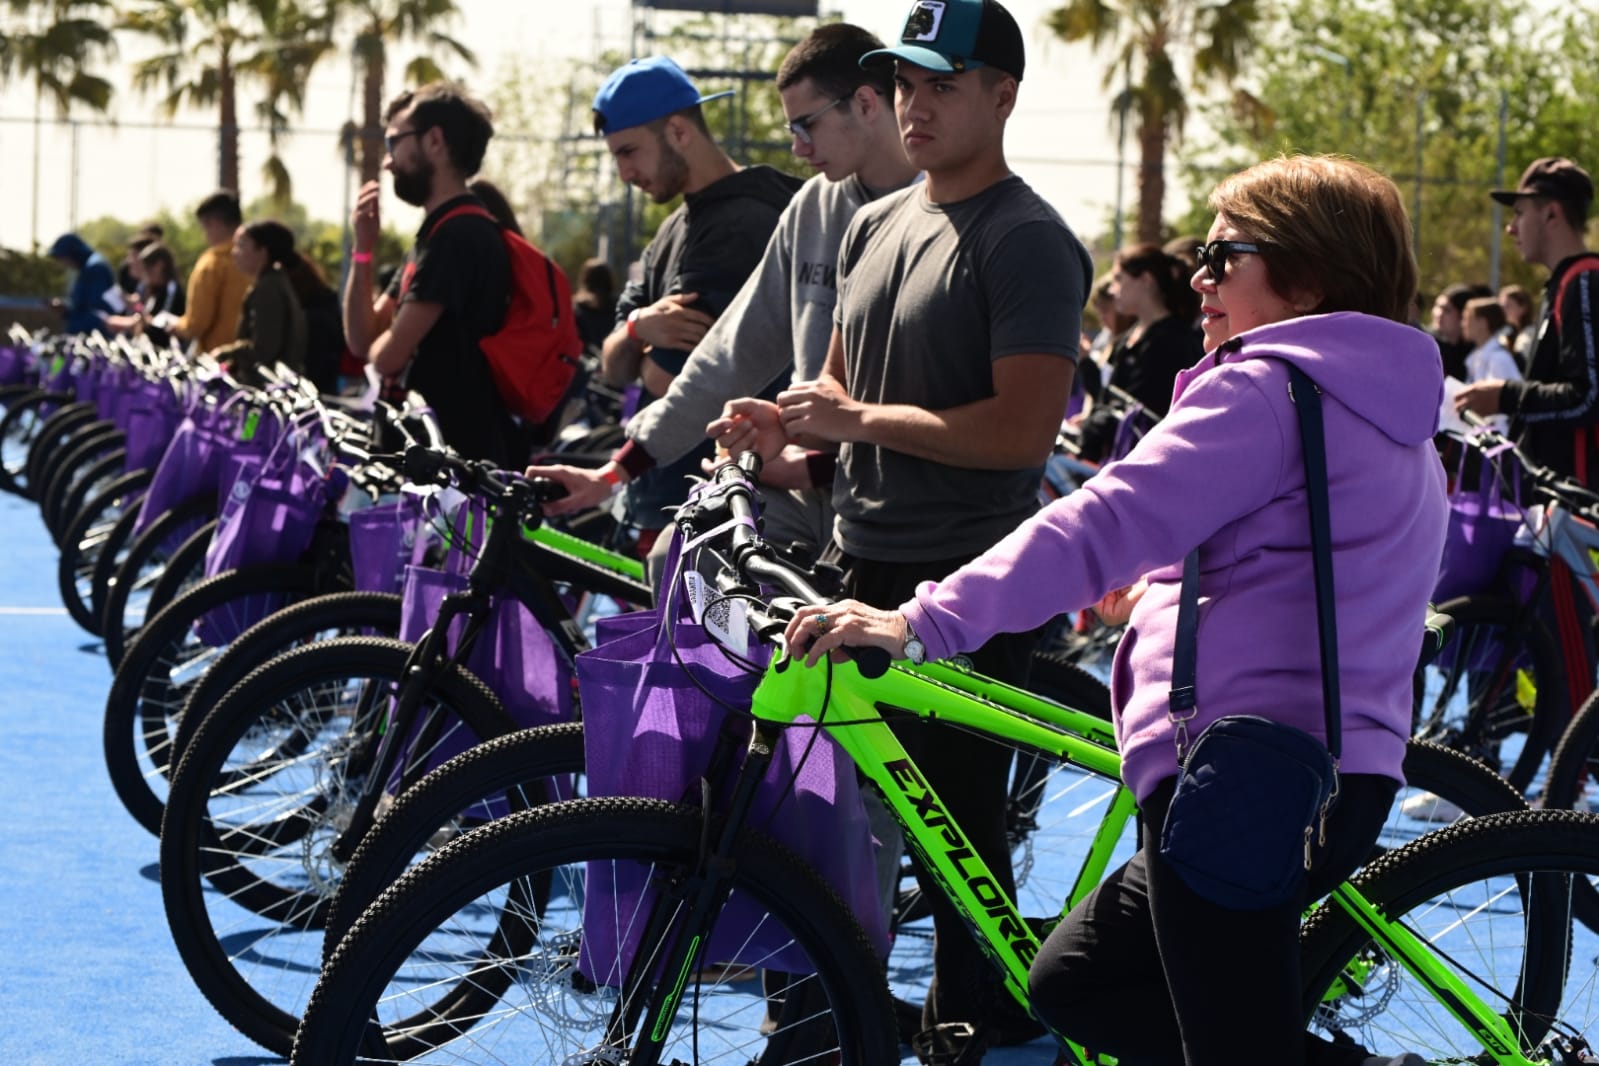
(438, 782)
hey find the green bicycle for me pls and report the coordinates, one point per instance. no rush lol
(1457, 945)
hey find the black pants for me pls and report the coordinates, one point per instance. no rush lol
(970, 776)
(1148, 971)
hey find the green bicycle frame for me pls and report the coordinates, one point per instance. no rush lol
(579, 548)
(852, 709)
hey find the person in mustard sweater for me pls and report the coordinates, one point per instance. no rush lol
(216, 285)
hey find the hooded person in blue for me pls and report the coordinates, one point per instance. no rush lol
(93, 294)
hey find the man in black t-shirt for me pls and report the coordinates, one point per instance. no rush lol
(455, 283)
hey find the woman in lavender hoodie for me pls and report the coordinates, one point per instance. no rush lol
(1309, 263)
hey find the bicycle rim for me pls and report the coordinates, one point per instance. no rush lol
(1492, 897)
(429, 960)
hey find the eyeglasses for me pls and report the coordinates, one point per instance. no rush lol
(392, 139)
(801, 127)
(1213, 256)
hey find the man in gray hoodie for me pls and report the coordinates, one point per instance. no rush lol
(778, 326)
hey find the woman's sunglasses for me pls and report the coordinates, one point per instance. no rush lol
(1213, 256)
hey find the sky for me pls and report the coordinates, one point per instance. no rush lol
(1060, 138)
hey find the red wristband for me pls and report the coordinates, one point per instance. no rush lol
(632, 327)
(612, 477)
(360, 257)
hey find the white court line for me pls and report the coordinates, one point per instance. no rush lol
(32, 610)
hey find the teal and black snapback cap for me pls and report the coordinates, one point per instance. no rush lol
(958, 35)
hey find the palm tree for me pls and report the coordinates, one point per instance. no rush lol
(210, 45)
(1144, 37)
(380, 24)
(54, 44)
(305, 39)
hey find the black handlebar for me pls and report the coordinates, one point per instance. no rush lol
(427, 466)
(758, 561)
(1559, 487)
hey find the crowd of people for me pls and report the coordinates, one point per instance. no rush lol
(901, 337)
(251, 298)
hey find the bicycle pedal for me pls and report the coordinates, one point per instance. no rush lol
(948, 1044)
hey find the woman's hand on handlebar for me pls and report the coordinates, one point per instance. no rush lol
(820, 630)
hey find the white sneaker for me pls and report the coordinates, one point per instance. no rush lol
(1430, 807)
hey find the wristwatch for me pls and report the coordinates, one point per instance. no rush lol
(914, 649)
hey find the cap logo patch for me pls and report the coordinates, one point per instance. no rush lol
(925, 20)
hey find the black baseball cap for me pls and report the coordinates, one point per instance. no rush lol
(1555, 178)
(958, 35)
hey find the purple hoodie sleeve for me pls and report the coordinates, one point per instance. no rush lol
(1218, 456)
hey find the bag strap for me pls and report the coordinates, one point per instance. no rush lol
(1185, 656)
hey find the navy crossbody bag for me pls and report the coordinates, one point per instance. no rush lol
(1253, 794)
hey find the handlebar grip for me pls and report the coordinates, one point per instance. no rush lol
(871, 662)
(424, 465)
(547, 490)
(1437, 632)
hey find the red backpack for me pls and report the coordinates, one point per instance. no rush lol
(535, 353)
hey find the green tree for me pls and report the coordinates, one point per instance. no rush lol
(305, 38)
(1415, 88)
(54, 45)
(384, 24)
(23, 275)
(210, 46)
(1146, 39)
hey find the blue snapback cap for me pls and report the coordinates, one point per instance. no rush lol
(643, 91)
(958, 35)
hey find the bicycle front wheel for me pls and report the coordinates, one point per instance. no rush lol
(412, 962)
(1492, 899)
(161, 665)
(264, 790)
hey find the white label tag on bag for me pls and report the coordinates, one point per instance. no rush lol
(694, 585)
(728, 621)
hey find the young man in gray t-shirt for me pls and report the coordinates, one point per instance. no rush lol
(946, 381)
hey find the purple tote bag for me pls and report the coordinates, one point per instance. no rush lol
(656, 700)
(513, 655)
(1482, 526)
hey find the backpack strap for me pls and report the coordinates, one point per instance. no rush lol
(409, 270)
(555, 299)
(549, 264)
(464, 209)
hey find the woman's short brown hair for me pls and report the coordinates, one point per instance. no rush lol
(1327, 226)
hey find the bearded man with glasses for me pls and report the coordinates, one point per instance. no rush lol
(454, 285)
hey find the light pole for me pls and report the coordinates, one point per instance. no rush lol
(1123, 103)
(1495, 238)
(1349, 84)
